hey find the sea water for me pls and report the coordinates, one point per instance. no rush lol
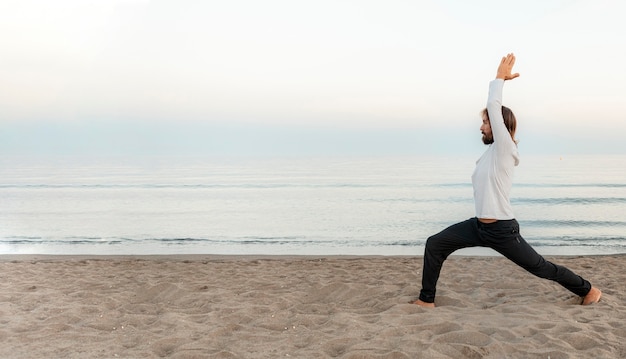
(302, 206)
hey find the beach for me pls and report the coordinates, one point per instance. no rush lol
(207, 306)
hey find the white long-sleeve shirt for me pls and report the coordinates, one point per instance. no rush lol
(493, 176)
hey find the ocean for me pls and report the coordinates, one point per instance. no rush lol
(571, 205)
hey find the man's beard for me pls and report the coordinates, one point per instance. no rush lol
(487, 139)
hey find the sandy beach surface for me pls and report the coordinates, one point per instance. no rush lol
(302, 307)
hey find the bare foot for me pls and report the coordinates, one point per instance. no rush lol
(592, 297)
(423, 304)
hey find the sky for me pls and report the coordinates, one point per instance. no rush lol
(246, 77)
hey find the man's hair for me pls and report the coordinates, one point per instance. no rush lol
(509, 120)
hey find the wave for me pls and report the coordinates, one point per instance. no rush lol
(571, 185)
(542, 185)
(607, 242)
(556, 241)
(193, 186)
(547, 223)
(570, 200)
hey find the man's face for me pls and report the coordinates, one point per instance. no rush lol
(485, 129)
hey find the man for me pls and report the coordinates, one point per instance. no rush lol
(494, 225)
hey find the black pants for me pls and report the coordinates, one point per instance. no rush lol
(503, 237)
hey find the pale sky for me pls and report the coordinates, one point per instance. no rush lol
(247, 76)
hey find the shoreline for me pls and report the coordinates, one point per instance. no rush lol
(251, 257)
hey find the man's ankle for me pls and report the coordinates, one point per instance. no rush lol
(592, 297)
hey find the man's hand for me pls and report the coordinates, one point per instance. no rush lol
(505, 68)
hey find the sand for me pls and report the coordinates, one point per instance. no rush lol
(302, 307)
